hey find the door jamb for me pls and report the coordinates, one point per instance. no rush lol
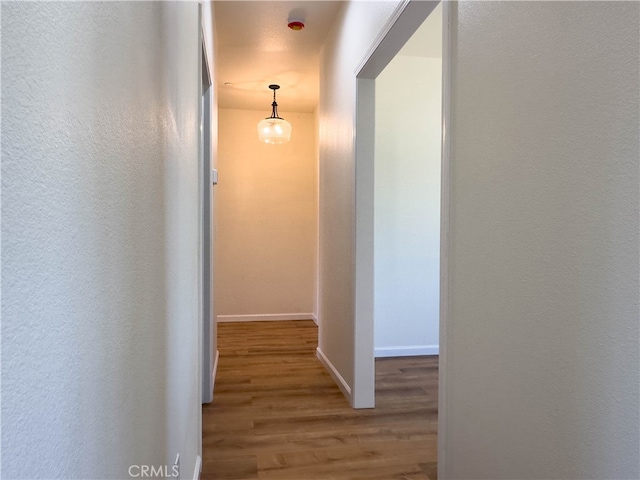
(206, 253)
(449, 13)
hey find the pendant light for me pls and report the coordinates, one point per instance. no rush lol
(274, 129)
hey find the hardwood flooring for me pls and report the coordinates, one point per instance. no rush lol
(277, 414)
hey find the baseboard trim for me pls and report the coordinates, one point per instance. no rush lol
(268, 317)
(408, 351)
(198, 469)
(346, 389)
(214, 372)
(314, 317)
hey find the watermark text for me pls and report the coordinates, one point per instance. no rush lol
(154, 471)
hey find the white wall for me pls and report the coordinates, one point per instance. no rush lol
(99, 238)
(542, 361)
(266, 242)
(354, 32)
(408, 113)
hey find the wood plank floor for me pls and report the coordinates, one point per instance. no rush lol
(277, 414)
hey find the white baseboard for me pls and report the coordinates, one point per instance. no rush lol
(314, 317)
(265, 317)
(215, 371)
(408, 351)
(346, 389)
(198, 469)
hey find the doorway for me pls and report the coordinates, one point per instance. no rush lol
(399, 31)
(408, 111)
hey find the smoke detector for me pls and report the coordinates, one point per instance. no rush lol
(295, 24)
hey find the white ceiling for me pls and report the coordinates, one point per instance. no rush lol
(256, 48)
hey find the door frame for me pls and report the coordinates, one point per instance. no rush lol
(449, 12)
(206, 213)
(409, 15)
(405, 20)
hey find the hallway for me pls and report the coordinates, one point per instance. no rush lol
(278, 414)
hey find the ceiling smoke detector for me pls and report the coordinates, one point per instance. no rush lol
(295, 24)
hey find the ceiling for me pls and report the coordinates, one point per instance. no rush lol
(256, 48)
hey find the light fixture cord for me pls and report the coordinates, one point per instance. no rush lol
(274, 105)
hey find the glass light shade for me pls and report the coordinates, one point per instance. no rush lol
(274, 130)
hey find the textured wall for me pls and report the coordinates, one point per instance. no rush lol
(408, 146)
(354, 32)
(266, 238)
(542, 352)
(99, 238)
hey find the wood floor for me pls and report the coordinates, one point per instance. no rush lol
(277, 414)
